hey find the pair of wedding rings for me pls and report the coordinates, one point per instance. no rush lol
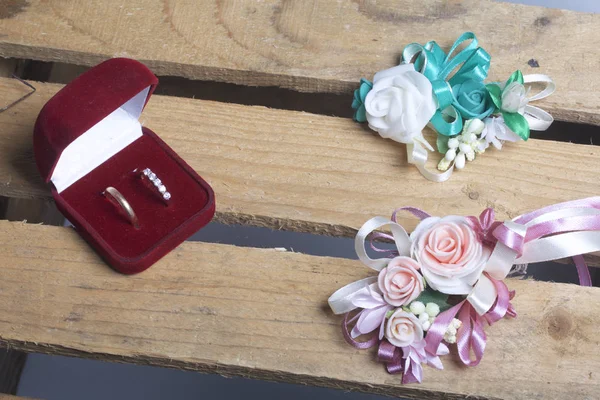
(119, 200)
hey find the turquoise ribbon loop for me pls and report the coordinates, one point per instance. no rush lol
(471, 63)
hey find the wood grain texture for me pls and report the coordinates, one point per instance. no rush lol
(263, 314)
(318, 174)
(312, 46)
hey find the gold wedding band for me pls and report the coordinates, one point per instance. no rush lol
(119, 200)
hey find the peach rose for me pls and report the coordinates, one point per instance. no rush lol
(451, 254)
(403, 329)
(399, 282)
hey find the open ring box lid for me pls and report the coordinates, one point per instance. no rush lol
(88, 137)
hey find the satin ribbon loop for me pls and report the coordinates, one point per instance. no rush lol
(470, 336)
(342, 301)
(500, 308)
(443, 93)
(538, 119)
(559, 231)
(401, 239)
(372, 341)
(391, 356)
(512, 235)
(549, 85)
(417, 155)
(470, 63)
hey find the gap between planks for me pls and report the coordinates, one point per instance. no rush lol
(310, 173)
(310, 46)
(263, 314)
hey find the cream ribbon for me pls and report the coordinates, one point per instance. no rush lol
(484, 293)
(417, 153)
(538, 119)
(549, 248)
(341, 301)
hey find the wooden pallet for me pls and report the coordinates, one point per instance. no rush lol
(263, 313)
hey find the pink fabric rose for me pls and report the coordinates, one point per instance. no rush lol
(450, 252)
(403, 329)
(400, 282)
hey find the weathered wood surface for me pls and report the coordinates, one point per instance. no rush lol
(263, 314)
(305, 172)
(313, 46)
(4, 396)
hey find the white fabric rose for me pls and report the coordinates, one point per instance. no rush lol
(514, 98)
(451, 254)
(400, 104)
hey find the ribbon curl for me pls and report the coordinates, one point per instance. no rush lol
(409, 360)
(538, 119)
(472, 62)
(563, 230)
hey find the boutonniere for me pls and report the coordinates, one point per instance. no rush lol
(446, 280)
(448, 92)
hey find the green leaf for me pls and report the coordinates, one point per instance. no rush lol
(442, 143)
(517, 123)
(431, 296)
(516, 76)
(495, 94)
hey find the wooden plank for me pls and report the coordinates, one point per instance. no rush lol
(263, 314)
(32, 210)
(11, 397)
(312, 46)
(318, 174)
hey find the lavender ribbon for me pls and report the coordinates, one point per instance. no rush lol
(563, 230)
(471, 336)
(410, 359)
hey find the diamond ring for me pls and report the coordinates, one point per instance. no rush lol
(158, 184)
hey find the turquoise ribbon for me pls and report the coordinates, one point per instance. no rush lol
(471, 63)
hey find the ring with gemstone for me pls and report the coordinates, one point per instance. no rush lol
(157, 183)
(119, 200)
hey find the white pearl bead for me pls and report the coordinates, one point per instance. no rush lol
(417, 308)
(465, 148)
(432, 309)
(460, 161)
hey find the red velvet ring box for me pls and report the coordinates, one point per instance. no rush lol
(87, 138)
